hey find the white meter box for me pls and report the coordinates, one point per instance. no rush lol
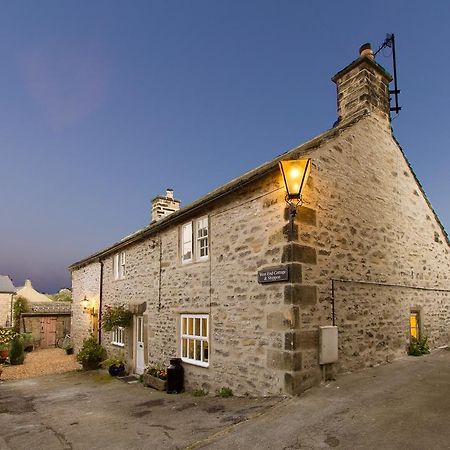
(328, 344)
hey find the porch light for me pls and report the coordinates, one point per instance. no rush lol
(86, 308)
(295, 175)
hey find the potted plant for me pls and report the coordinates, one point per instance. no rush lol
(116, 316)
(4, 351)
(6, 336)
(156, 378)
(91, 353)
(68, 346)
(115, 364)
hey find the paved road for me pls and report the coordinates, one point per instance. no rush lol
(403, 405)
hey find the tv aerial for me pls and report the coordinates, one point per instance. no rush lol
(389, 42)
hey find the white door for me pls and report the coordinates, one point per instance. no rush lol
(140, 364)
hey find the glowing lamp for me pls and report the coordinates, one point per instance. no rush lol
(295, 175)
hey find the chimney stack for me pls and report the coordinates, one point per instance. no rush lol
(363, 86)
(163, 206)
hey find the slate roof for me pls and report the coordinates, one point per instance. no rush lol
(6, 285)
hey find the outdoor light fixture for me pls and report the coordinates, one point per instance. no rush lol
(295, 175)
(86, 308)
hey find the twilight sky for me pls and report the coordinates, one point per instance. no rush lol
(104, 104)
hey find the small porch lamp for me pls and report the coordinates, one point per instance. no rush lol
(295, 175)
(86, 308)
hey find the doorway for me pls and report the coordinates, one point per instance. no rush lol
(414, 328)
(139, 345)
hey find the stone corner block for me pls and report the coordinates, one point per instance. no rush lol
(284, 360)
(295, 294)
(299, 253)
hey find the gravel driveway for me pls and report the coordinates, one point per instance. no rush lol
(40, 362)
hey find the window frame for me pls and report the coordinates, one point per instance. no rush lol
(195, 241)
(185, 336)
(118, 337)
(119, 265)
(183, 243)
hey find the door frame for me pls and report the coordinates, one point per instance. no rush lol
(137, 319)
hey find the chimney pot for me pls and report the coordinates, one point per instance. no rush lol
(365, 51)
(169, 193)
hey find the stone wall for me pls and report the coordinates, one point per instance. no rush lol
(5, 309)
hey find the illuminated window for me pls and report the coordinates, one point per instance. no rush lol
(195, 339)
(414, 329)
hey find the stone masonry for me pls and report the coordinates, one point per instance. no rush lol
(365, 222)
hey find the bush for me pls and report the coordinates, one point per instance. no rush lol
(6, 336)
(20, 306)
(224, 392)
(419, 347)
(116, 316)
(16, 354)
(199, 392)
(91, 353)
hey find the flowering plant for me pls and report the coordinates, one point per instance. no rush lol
(6, 336)
(116, 316)
(157, 372)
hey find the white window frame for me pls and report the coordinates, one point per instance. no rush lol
(200, 225)
(185, 243)
(118, 336)
(193, 242)
(119, 266)
(196, 337)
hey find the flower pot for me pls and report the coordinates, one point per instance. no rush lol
(4, 353)
(115, 370)
(155, 383)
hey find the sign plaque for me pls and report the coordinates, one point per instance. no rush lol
(273, 275)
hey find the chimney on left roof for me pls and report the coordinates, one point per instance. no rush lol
(163, 206)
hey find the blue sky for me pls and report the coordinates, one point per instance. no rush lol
(104, 104)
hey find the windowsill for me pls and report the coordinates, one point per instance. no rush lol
(117, 344)
(197, 261)
(195, 362)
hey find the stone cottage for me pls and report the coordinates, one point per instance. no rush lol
(365, 252)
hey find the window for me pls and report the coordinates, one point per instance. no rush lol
(118, 336)
(186, 234)
(119, 264)
(414, 325)
(196, 233)
(195, 339)
(202, 238)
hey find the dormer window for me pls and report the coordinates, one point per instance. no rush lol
(195, 240)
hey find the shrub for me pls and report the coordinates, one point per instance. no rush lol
(116, 316)
(16, 353)
(419, 347)
(6, 336)
(91, 353)
(20, 306)
(224, 392)
(199, 392)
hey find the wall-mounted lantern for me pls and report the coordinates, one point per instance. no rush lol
(87, 309)
(295, 175)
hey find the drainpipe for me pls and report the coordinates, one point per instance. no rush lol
(100, 304)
